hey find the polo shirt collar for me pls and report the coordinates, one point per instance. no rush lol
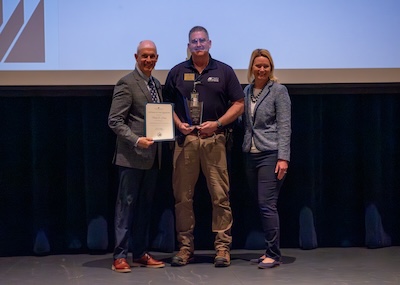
(211, 64)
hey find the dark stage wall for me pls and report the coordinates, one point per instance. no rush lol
(58, 186)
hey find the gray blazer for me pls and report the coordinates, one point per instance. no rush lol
(126, 119)
(271, 125)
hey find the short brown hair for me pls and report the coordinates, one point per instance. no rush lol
(198, 29)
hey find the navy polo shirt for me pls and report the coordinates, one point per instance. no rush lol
(217, 87)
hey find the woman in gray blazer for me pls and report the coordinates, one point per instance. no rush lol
(266, 146)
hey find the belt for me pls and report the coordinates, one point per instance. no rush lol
(196, 133)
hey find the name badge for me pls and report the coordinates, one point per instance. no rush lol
(188, 77)
(213, 79)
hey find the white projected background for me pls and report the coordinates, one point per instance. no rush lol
(97, 39)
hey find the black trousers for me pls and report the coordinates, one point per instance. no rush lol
(263, 182)
(133, 210)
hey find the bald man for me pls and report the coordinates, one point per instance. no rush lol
(137, 158)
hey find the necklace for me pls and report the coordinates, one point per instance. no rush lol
(253, 97)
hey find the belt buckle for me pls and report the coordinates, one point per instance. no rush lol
(207, 136)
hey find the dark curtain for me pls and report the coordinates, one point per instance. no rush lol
(58, 186)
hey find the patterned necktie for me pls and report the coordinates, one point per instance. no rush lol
(153, 91)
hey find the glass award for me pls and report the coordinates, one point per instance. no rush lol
(195, 109)
(195, 106)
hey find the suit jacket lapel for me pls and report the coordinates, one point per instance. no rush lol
(159, 90)
(142, 84)
(263, 95)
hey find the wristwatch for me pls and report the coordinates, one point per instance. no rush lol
(219, 127)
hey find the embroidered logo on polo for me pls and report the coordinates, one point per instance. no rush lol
(213, 79)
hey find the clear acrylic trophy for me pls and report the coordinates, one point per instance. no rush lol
(195, 107)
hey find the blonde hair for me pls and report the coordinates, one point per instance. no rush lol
(256, 53)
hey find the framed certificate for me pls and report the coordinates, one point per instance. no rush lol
(159, 121)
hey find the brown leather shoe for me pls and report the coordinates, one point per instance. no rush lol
(147, 261)
(121, 265)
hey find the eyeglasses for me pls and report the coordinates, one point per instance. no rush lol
(198, 40)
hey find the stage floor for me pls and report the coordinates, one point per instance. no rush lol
(320, 266)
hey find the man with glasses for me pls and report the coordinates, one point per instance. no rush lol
(207, 97)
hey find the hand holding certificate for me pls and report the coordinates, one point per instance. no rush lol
(159, 121)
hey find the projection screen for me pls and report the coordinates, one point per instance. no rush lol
(93, 42)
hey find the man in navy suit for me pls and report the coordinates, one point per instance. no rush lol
(138, 159)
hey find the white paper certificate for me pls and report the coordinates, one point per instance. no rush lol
(160, 122)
